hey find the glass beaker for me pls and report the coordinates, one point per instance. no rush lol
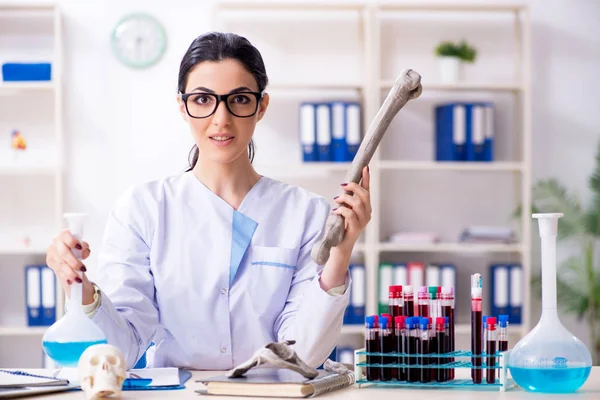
(67, 338)
(549, 359)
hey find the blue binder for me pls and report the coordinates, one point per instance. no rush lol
(516, 283)
(33, 295)
(357, 294)
(499, 289)
(308, 132)
(339, 147)
(345, 355)
(323, 115)
(488, 145)
(448, 275)
(451, 132)
(353, 130)
(48, 295)
(480, 132)
(400, 274)
(475, 114)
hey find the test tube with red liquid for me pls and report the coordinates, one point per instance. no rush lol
(373, 345)
(490, 349)
(476, 327)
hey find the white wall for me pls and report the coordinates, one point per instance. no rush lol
(566, 58)
(123, 126)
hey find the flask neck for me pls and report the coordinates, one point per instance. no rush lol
(76, 298)
(548, 274)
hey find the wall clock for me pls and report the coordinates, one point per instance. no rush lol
(139, 40)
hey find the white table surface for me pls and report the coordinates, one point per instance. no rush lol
(590, 390)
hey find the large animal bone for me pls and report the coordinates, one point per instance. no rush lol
(279, 355)
(407, 87)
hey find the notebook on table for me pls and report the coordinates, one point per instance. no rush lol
(269, 382)
(16, 383)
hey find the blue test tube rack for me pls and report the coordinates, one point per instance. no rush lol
(462, 360)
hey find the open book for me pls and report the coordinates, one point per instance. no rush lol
(269, 382)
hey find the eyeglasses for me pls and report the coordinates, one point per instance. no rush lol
(203, 105)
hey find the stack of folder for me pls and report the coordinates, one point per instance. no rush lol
(464, 132)
(506, 291)
(355, 312)
(330, 131)
(40, 295)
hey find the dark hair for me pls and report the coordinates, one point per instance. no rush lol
(218, 46)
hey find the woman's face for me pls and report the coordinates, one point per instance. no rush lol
(222, 137)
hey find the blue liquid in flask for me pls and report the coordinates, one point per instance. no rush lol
(550, 380)
(67, 354)
(66, 340)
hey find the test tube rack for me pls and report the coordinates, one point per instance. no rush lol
(462, 360)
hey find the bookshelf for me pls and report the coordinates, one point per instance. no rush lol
(33, 204)
(385, 40)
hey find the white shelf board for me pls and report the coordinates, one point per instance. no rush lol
(303, 169)
(496, 166)
(9, 87)
(437, 6)
(16, 249)
(352, 329)
(14, 242)
(237, 5)
(451, 247)
(20, 5)
(355, 5)
(295, 86)
(23, 170)
(506, 87)
(23, 330)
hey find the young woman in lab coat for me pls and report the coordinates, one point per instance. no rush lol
(214, 263)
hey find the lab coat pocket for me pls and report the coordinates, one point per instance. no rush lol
(274, 257)
(271, 271)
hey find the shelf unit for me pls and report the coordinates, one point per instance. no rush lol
(372, 89)
(33, 32)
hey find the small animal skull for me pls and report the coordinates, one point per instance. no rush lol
(102, 371)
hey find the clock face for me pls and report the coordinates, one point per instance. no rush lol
(139, 40)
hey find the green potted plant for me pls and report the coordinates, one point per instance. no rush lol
(578, 278)
(452, 56)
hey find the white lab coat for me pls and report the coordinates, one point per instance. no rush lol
(210, 285)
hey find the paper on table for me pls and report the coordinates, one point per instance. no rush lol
(159, 376)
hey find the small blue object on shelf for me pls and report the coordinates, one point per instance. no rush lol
(19, 72)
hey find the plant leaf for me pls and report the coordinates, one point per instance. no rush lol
(549, 195)
(571, 300)
(574, 272)
(592, 218)
(516, 214)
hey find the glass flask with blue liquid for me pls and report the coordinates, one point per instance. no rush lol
(549, 359)
(67, 338)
